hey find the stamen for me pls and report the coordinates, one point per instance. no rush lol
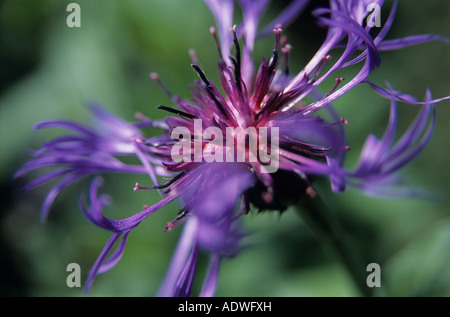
(209, 89)
(165, 185)
(139, 187)
(159, 144)
(311, 192)
(176, 111)
(338, 81)
(285, 50)
(176, 221)
(283, 40)
(212, 30)
(202, 75)
(277, 30)
(142, 117)
(193, 56)
(319, 69)
(237, 62)
(342, 120)
(155, 77)
(346, 148)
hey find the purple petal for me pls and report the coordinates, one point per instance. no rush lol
(286, 17)
(212, 277)
(180, 255)
(94, 214)
(55, 191)
(115, 257)
(183, 286)
(251, 14)
(93, 272)
(400, 96)
(407, 41)
(223, 14)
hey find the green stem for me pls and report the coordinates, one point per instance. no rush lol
(325, 225)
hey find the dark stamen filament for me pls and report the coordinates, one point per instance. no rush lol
(237, 62)
(159, 144)
(165, 185)
(273, 62)
(209, 89)
(181, 214)
(176, 111)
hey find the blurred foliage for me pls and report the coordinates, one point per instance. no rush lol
(48, 71)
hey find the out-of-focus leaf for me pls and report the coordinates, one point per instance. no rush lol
(422, 267)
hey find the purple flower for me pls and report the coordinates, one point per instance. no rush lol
(216, 186)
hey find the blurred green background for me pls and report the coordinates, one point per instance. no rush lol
(48, 71)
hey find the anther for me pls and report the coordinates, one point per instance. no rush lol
(342, 120)
(346, 148)
(311, 192)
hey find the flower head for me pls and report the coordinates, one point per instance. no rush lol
(255, 140)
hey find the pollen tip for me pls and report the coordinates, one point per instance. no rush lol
(344, 121)
(212, 30)
(136, 187)
(278, 28)
(286, 48)
(168, 227)
(346, 148)
(267, 197)
(193, 54)
(154, 76)
(311, 192)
